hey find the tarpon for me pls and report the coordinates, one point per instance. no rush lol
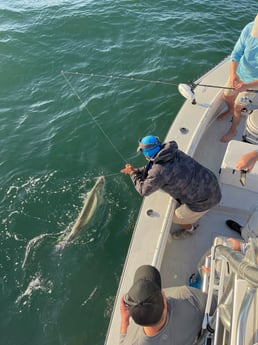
(89, 206)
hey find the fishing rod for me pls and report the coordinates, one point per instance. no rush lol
(187, 90)
(218, 87)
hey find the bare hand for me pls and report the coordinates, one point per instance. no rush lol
(128, 169)
(241, 86)
(125, 316)
(234, 80)
(247, 161)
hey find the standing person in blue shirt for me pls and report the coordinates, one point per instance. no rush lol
(194, 186)
(243, 76)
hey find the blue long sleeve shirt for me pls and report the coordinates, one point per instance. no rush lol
(245, 53)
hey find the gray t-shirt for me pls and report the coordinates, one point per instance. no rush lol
(186, 307)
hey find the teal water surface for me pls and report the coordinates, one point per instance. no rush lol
(62, 125)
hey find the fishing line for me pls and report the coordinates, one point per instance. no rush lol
(96, 123)
(165, 82)
(109, 175)
(121, 77)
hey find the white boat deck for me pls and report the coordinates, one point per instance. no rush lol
(177, 268)
(236, 203)
(197, 133)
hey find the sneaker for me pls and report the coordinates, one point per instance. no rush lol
(234, 226)
(182, 234)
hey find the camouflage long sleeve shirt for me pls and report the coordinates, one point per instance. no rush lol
(179, 175)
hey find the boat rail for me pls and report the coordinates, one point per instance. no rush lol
(233, 281)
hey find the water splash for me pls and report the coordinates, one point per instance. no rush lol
(33, 242)
(34, 285)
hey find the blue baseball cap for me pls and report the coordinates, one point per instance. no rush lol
(149, 146)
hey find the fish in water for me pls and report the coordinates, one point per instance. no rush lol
(89, 206)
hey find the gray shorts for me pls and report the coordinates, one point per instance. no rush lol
(248, 100)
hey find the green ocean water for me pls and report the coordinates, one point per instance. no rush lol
(64, 122)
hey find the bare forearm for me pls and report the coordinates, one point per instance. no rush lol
(233, 68)
(247, 161)
(125, 317)
(252, 84)
(124, 326)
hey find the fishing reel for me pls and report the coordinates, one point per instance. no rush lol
(187, 91)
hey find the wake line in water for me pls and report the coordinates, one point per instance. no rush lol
(90, 296)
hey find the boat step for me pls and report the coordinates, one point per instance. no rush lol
(236, 200)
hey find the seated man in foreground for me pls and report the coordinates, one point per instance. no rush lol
(170, 316)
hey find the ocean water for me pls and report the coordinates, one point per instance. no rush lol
(80, 82)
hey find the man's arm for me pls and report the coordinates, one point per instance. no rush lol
(148, 185)
(233, 77)
(125, 316)
(247, 161)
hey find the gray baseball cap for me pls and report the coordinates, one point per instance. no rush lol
(144, 299)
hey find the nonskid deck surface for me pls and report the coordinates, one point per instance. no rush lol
(210, 150)
(181, 257)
